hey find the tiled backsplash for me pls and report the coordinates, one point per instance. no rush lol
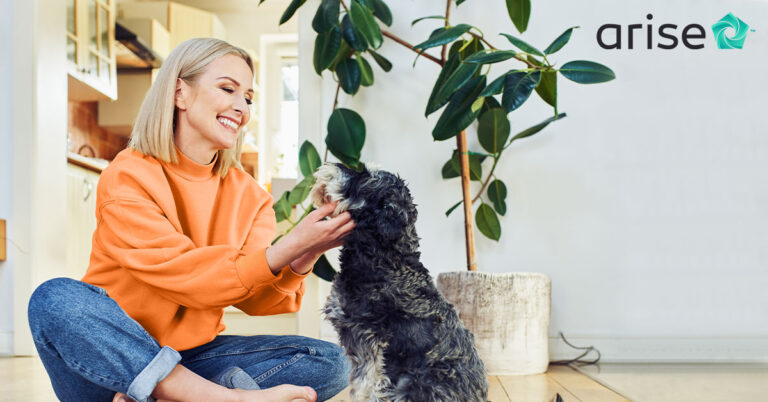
(84, 132)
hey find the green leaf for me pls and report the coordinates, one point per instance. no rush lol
(290, 10)
(493, 130)
(459, 113)
(431, 17)
(535, 129)
(448, 212)
(489, 103)
(443, 37)
(490, 56)
(471, 47)
(282, 207)
(494, 88)
(346, 135)
(459, 77)
(518, 86)
(475, 164)
(449, 170)
(309, 159)
(342, 54)
(586, 72)
(547, 88)
(381, 61)
(326, 46)
(365, 70)
(324, 270)
(487, 222)
(519, 12)
(351, 35)
(523, 45)
(301, 191)
(497, 193)
(561, 40)
(363, 20)
(381, 11)
(349, 76)
(448, 68)
(326, 17)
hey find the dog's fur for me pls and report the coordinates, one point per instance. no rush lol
(404, 340)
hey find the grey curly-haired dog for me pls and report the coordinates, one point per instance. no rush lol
(405, 342)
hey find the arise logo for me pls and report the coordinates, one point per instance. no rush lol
(667, 36)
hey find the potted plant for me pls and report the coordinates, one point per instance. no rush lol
(348, 35)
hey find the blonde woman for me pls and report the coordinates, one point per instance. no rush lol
(183, 233)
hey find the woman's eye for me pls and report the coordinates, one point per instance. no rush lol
(248, 101)
(228, 90)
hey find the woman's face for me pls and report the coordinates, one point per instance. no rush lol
(212, 110)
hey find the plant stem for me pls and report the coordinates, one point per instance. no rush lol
(397, 39)
(483, 40)
(487, 180)
(336, 98)
(447, 15)
(469, 232)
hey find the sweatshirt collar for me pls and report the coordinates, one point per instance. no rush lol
(191, 170)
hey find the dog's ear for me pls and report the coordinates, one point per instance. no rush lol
(396, 214)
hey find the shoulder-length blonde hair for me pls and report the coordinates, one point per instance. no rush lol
(153, 131)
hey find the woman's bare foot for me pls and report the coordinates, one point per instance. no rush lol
(280, 393)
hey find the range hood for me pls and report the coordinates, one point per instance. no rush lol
(132, 53)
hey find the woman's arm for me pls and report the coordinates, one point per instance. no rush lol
(312, 237)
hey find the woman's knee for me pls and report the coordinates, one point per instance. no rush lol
(336, 367)
(58, 301)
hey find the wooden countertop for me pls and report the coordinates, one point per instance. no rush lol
(92, 164)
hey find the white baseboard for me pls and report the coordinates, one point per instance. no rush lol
(664, 349)
(6, 343)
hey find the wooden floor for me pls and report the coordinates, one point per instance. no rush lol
(570, 384)
(24, 379)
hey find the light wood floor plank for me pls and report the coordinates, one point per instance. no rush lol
(534, 388)
(582, 386)
(496, 391)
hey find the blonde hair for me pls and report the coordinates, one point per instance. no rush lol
(153, 131)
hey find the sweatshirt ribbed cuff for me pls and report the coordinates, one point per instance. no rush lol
(290, 281)
(253, 269)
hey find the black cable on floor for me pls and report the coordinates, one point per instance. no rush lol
(578, 360)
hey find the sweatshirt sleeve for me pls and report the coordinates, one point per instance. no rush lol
(286, 291)
(138, 236)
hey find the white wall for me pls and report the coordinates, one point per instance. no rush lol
(6, 171)
(38, 106)
(646, 205)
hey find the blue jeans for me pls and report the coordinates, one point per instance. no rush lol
(91, 349)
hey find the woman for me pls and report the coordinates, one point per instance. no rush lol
(182, 233)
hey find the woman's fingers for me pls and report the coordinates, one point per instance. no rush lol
(347, 227)
(323, 211)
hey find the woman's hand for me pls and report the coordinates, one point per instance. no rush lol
(312, 237)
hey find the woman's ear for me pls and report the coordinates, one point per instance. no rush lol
(182, 91)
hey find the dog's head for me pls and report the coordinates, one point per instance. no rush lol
(378, 201)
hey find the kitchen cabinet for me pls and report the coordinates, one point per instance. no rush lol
(182, 22)
(92, 73)
(81, 218)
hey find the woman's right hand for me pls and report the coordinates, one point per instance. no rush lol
(313, 235)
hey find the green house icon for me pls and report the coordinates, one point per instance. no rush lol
(733, 26)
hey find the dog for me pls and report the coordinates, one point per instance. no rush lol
(405, 342)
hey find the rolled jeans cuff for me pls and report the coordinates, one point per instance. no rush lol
(161, 365)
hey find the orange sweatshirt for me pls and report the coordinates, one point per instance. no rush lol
(176, 243)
